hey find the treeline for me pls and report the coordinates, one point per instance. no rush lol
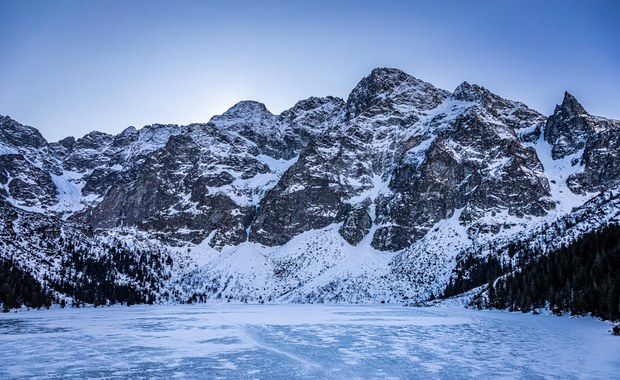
(583, 277)
(19, 288)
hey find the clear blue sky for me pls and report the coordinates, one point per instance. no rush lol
(69, 67)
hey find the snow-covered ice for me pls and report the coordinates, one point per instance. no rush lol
(302, 341)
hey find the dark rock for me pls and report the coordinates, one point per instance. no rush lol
(569, 128)
(600, 159)
(478, 165)
(301, 201)
(367, 97)
(357, 224)
(15, 134)
(68, 142)
(25, 184)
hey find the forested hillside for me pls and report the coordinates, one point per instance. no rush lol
(583, 277)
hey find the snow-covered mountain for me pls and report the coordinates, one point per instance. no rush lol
(371, 199)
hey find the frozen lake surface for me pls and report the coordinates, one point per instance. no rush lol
(302, 341)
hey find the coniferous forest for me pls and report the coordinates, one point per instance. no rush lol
(583, 277)
(18, 288)
(86, 278)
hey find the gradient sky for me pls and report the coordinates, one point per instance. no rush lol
(70, 67)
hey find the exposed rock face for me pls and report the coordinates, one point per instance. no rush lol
(475, 162)
(302, 200)
(571, 130)
(16, 135)
(342, 167)
(394, 91)
(27, 184)
(601, 159)
(25, 167)
(184, 183)
(440, 153)
(357, 224)
(568, 128)
(311, 117)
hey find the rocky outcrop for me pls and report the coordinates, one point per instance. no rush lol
(14, 135)
(305, 198)
(594, 140)
(25, 168)
(394, 91)
(24, 184)
(600, 159)
(169, 196)
(356, 225)
(569, 128)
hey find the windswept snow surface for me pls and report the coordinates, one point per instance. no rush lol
(278, 341)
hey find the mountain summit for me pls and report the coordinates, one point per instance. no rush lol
(388, 89)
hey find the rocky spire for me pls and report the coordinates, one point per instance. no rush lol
(570, 107)
(568, 129)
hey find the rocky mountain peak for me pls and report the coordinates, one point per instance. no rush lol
(131, 130)
(94, 140)
(474, 93)
(466, 92)
(570, 107)
(471, 93)
(514, 115)
(569, 128)
(246, 108)
(308, 118)
(387, 75)
(14, 134)
(595, 140)
(126, 137)
(312, 103)
(248, 118)
(67, 142)
(154, 129)
(385, 89)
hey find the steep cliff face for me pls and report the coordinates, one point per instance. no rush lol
(346, 167)
(569, 128)
(371, 198)
(591, 141)
(474, 159)
(600, 160)
(28, 174)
